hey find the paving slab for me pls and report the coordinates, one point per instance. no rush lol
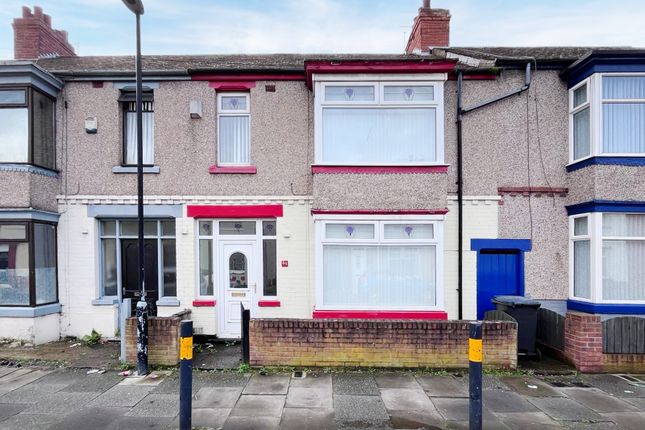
(528, 421)
(565, 409)
(614, 385)
(219, 379)
(443, 386)
(61, 403)
(31, 393)
(252, 423)
(152, 379)
(310, 419)
(216, 397)
(205, 418)
(354, 384)
(120, 396)
(456, 409)
(259, 405)
(130, 423)
(29, 422)
(396, 381)
(20, 378)
(90, 418)
(312, 381)
(157, 405)
(639, 402)
(492, 382)
(406, 399)
(583, 425)
(363, 424)
(506, 401)
(92, 383)
(407, 419)
(598, 400)
(270, 384)
(627, 420)
(357, 408)
(7, 370)
(487, 424)
(530, 386)
(310, 398)
(9, 409)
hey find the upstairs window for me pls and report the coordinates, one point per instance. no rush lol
(607, 116)
(27, 127)
(128, 101)
(379, 123)
(233, 129)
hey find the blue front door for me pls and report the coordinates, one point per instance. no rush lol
(499, 272)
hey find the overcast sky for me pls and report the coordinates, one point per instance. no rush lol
(105, 27)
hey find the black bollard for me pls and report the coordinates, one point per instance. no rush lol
(475, 353)
(185, 375)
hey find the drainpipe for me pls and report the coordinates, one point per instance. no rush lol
(461, 111)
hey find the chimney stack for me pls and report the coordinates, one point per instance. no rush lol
(431, 29)
(34, 37)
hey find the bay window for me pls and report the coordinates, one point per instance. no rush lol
(27, 127)
(608, 255)
(379, 123)
(379, 264)
(27, 263)
(607, 116)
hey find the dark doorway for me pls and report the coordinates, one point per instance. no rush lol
(129, 253)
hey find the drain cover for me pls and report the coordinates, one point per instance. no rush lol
(299, 374)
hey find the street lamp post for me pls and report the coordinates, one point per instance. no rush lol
(136, 6)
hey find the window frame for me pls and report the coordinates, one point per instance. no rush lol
(117, 236)
(29, 240)
(595, 102)
(29, 105)
(379, 82)
(215, 237)
(124, 129)
(596, 238)
(232, 113)
(437, 221)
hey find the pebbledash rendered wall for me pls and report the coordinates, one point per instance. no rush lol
(377, 343)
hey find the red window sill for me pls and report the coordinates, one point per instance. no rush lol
(236, 170)
(204, 303)
(269, 303)
(378, 169)
(385, 315)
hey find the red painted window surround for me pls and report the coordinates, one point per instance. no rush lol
(204, 303)
(379, 211)
(385, 315)
(239, 170)
(235, 211)
(269, 303)
(399, 66)
(232, 85)
(318, 169)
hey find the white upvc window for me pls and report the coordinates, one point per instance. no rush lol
(379, 120)
(379, 263)
(607, 116)
(233, 129)
(607, 255)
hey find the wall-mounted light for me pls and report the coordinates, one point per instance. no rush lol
(91, 125)
(195, 109)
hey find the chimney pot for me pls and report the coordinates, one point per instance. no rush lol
(48, 20)
(426, 4)
(38, 11)
(26, 12)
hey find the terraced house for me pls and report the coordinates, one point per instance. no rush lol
(320, 186)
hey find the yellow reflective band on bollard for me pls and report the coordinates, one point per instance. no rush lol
(475, 350)
(186, 348)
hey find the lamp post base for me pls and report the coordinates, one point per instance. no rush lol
(142, 338)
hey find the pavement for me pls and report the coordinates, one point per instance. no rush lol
(67, 398)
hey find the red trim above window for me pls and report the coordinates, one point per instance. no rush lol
(399, 66)
(385, 315)
(232, 85)
(474, 77)
(204, 303)
(379, 211)
(250, 77)
(235, 211)
(240, 170)
(378, 169)
(269, 303)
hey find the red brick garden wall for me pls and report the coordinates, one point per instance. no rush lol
(377, 343)
(163, 340)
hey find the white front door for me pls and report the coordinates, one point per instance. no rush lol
(237, 282)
